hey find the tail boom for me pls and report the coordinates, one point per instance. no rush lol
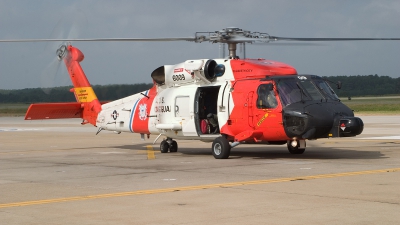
(87, 106)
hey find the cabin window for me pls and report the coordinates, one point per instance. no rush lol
(266, 97)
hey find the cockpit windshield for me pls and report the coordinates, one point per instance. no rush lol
(304, 88)
(326, 89)
(290, 92)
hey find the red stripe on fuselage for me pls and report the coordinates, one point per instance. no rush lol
(140, 120)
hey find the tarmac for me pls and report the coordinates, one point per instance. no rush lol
(61, 172)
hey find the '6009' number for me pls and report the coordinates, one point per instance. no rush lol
(178, 77)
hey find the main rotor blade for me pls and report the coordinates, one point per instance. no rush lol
(102, 39)
(288, 44)
(275, 38)
(201, 39)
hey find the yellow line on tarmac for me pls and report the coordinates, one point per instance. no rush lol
(190, 188)
(150, 152)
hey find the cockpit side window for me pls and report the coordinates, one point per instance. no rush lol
(266, 97)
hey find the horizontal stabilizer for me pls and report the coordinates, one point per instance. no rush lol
(54, 111)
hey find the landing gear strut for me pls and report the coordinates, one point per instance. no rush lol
(168, 145)
(296, 146)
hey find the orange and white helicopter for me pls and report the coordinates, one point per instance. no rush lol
(227, 101)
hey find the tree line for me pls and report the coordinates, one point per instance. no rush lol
(370, 85)
(63, 94)
(352, 86)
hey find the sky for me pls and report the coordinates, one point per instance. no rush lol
(31, 65)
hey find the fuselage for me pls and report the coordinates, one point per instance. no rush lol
(255, 101)
(224, 101)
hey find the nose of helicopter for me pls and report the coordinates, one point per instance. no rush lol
(320, 120)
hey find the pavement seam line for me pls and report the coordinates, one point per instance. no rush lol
(191, 188)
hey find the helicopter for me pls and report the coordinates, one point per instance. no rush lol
(228, 101)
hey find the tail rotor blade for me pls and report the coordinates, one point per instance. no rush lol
(49, 74)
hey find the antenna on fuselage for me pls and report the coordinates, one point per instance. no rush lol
(243, 50)
(221, 50)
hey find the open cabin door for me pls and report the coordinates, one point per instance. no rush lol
(205, 104)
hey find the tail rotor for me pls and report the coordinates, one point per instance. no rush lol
(53, 74)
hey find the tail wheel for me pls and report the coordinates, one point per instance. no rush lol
(221, 148)
(296, 149)
(164, 146)
(173, 147)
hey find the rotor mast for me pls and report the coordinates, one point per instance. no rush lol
(232, 50)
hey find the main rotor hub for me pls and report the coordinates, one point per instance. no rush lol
(232, 36)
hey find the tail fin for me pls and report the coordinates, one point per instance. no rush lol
(87, 102)
(83, 91)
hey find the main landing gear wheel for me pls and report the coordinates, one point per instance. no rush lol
(173, 147)
(296, 149)
(221, 148)
(168, 145)
(164, 146)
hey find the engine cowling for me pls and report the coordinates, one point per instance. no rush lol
(187, 72)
